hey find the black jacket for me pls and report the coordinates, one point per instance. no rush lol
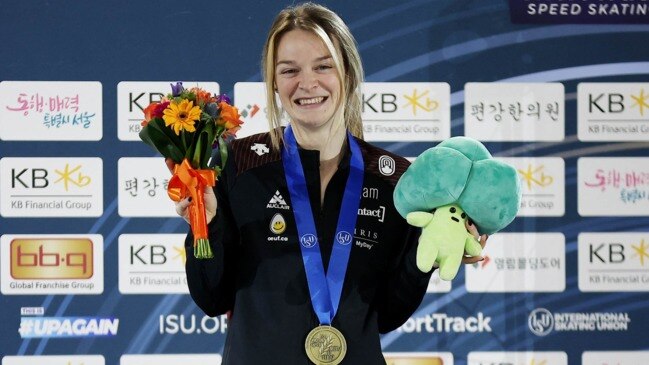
(259, 274)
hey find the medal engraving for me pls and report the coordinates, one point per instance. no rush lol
(325, 345)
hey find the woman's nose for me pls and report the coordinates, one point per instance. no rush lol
(308, 81)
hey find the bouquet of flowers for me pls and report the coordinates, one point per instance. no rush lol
(185, 126)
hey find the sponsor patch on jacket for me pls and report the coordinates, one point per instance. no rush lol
(277, 202)
(378, 213)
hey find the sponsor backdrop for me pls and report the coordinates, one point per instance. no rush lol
(91, 256)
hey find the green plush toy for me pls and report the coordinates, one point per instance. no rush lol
(445, 186)
(446, 239)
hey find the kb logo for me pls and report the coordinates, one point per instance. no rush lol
(344, 238)
(29, 178)
(384, 103)
(155, 255)
(309, 240)
(138, 101)
(37, 178)
(616, 103)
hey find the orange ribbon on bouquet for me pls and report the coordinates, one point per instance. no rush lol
(187, 181)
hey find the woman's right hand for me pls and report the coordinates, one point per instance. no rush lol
(208, 194)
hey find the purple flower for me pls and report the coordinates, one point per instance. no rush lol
(177, 89)
(212, 109)
(224, 98)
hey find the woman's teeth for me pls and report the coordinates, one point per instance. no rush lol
(310, 101)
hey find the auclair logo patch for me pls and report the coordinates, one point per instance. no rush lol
(277, 202)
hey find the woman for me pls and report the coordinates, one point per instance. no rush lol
(311, 257)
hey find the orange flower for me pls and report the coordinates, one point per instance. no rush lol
(148, 113)
(202, 97)
(230, 133)
(229, 116)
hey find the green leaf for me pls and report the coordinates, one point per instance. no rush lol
(223, 149)
(164, 145)
(159, 124)
(199, 149)
(162, 139)
(197, 156)
(187, 138)
(189, 95)
(144, 136)
(206, 151)
(220, 129)
(209, 133)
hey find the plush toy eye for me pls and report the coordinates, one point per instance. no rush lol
(453, 209)
(463, 215)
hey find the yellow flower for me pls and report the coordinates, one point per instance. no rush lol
(181, 116)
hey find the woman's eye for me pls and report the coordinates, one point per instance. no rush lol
(324, 67)
(287, 71)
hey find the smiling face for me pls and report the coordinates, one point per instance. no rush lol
(452, 213)
(277, 224)
(306, 79)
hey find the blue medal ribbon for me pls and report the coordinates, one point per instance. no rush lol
(325, 289)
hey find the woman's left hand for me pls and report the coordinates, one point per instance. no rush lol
(471, 228)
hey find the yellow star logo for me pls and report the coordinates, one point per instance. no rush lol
(67, 178)
(641, 101)
(535, 176)
(180, 252)
(642, 251)
(533, 362)
(415, 102)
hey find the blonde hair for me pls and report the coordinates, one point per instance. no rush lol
(333, 32)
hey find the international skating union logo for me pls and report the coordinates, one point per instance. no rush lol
(540, 322)
(309, 240)
(344, 238)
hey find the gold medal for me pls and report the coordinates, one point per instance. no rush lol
(325, 345)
